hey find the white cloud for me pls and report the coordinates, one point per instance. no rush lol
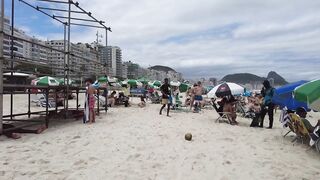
(239, 36)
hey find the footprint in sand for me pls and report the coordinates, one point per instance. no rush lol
(79, 162)
(76, 137)
(45, 142)
(2, 173)
(133, 156)
(93, 159)
(42, 161)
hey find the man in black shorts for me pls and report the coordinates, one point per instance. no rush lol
(165, 96)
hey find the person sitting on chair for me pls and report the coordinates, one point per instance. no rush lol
(112, 99)
(229, 106)
(301, 111)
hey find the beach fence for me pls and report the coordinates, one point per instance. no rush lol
(69, 12)
(45, 91)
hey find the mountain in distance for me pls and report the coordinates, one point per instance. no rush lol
(279, 80)
(162, 68)
(245, 78)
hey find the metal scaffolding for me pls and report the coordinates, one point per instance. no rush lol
(67, 19)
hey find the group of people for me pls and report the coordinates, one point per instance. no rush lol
(257, 106)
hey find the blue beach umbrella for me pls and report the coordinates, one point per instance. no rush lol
(284, 98)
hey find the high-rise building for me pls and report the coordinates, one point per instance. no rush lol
(17, 45)
(83, 59)
(124, 71)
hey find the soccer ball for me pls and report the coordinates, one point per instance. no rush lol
(188, 137)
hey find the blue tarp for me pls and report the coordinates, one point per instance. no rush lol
(284, 98)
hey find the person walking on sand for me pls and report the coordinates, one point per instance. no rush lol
(165, 96)
(91, 100)
(267, 105)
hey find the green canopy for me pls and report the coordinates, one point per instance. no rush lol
(309, 93)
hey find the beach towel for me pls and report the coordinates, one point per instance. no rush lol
(284, 117)
(86, 109)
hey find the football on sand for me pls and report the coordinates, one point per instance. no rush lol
(188, 136)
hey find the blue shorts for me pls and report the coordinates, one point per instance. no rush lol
(197, 98)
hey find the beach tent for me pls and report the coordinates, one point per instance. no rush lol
(226, 89)
(309, 93)
(46, 81)
(283, 96)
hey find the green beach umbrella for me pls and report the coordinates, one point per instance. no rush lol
(156, 83)
(309, 93)
(61, 81)
(132, 82)
(184, 87)
(103, 79)
(143, 80)
(46, 81)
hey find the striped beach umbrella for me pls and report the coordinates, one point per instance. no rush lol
(309, 93)
(46, 81)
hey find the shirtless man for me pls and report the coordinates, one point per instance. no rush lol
(198, 90)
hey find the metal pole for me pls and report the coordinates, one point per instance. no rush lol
(1, 64)
(11, 53)
(64, 61)
(106, 99)
(68, 56)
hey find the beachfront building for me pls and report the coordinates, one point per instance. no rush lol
(17, 45)
(111, 57)
(124, 71)
(83, 60)
(28, 51)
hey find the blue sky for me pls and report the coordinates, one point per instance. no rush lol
(202, 38)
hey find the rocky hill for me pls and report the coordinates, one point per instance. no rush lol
(162, 68)
(244, 78)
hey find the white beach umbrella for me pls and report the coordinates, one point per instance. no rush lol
(226, 89)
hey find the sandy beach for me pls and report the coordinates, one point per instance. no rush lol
(138, 143)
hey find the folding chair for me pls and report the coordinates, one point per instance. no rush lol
(223, 116)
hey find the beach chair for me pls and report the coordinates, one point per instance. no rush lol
(315, 138)
(299, 128)
(285, 120)
(102, 100)
(40, 100)
(155, 98)
(223, 116)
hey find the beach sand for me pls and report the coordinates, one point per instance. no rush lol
(138, 143)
